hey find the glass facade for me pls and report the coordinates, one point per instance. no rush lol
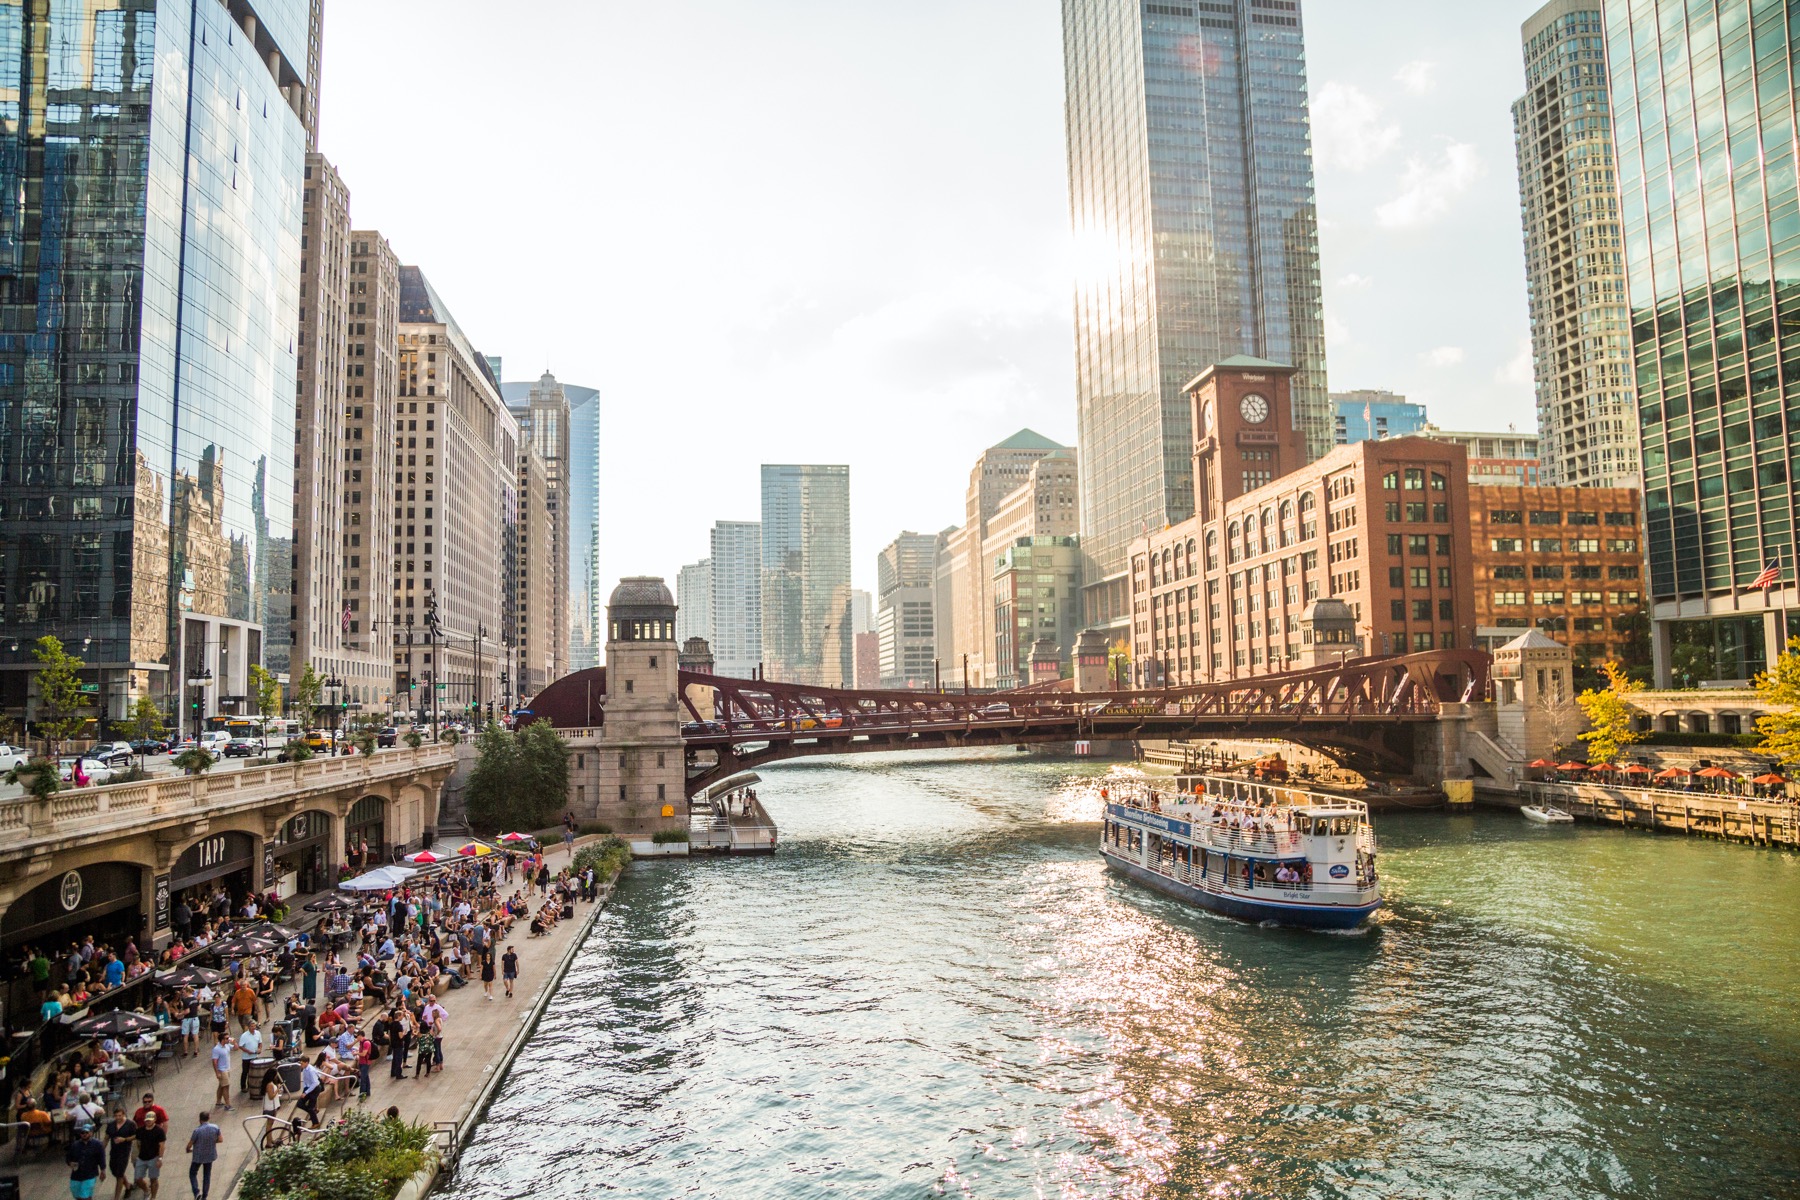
(1191, 193)
(1371, 416)
(1703, 111)
(1575, 266)
(805, 567)
(150, 210)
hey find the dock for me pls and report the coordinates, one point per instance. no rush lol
(728, 818)
(1697, 814)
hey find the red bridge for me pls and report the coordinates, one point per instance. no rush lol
(1367, 711)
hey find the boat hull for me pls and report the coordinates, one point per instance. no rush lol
(1302, 916)
(1546, 816)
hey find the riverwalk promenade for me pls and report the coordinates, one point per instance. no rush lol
(479, 1039)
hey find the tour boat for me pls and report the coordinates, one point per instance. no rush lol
(1258, 851)
(1546, 814)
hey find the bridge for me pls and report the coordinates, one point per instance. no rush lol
(1369, 712)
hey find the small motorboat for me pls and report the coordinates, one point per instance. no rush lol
(1546, 814)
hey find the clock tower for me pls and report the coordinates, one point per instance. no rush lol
(1244, 432)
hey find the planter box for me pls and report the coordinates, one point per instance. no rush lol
(650, 849)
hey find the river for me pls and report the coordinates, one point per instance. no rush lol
(934, 988)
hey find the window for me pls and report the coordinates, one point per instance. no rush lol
(1503, 516)
(1392, 510)
(1415, 479)
(1547, 545)
(1444, 577)
(1416, 543)
(1585, 545)
(1441, 544)
(1396, 578)
(1505, 545)
(1420, 577)
(1437, 482)
(1540, 517)
(1621, 546)
(1421, 610)
(1509, 572)
(1584, 518)
(1393, 543)
(1545, 598)
(1397, 609)
(1391, 481)
(1446, 610)
(1415, 512)
(1584, 572)
(1440, 513)
(1621, 518)
(1508, 599)
(1546, 572)
(1584, 597)
(1621, 572)
(1622, 598)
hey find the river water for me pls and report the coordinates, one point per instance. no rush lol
(934, 988)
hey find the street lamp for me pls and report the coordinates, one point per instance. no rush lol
(334, 696)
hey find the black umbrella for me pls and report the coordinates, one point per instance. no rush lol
(266, 929)
(331, 903)
(244, 945)
(191, 976)
(118, 1023)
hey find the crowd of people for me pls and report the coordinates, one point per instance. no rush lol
(363, 986)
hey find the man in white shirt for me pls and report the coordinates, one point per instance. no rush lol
(311, 1084)
(250, 1043)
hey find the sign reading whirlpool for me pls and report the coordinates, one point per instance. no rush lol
(69, 891)
(1339, 871)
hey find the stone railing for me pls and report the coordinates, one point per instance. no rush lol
(110, 807)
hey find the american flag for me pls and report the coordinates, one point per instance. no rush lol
(1771, 575)
(344, 620)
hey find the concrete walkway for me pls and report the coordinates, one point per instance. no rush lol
(477, 1034)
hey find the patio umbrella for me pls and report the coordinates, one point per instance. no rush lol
(1634, 769)
(331, 903)
(1572, 765)
(423, 856)
(515, 837)
(268, 929)
(1671, 773)
(1717, 773)
(191, 976)
(118, 1023)
(1541, 764)
(473, 849)
(1769, 779)
(243, 945)
(379, 880)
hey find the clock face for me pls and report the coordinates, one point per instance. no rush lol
(1254, 408)
(1206, 418)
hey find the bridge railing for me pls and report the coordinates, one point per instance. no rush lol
(25, 819)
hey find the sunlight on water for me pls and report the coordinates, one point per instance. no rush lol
(936, 989)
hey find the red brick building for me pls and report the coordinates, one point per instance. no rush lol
(1565, 560)
(1381, 525)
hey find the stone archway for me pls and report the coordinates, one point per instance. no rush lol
(301, 857)
(366, 825)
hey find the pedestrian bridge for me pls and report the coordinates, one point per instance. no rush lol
(1374, 712)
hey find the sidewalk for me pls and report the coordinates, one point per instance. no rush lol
(477, 1032)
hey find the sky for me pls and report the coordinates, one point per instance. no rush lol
(837, 230)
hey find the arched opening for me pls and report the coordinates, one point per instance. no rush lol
(365, 832)
(301, 853)
(212, 876)
(101, 900)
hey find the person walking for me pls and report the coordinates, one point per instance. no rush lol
(271, 1107)
(487, 973)
(365, 1058)
(312, 1084)
(87, 1161)
(203, 1151)
(399, 1033)
(509, 969)
(152, 1136)
(221, 1064)
(121, 1135)
(434, 1016)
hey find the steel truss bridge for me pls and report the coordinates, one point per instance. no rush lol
(1366, 712)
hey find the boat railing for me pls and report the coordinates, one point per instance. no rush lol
(1212, 881)
(1277, 842)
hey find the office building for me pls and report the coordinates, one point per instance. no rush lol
(1036, 590)
(693, 602)
(736, 567)
(1703, 123)
(868, 660)
(1191, 191)
(1574, 263)
(1567, 561)
(578, 505)
(149, 277)
(805, 567)
(1361, 415)
(456, 459)
(543, 415)
(1509, 459)
(372, 323)
(536, 636)
(906, 588)
(1381, 527)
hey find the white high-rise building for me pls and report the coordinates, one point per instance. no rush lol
(693, 599)
(736, 611)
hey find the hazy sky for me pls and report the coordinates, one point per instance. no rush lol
(837, 230)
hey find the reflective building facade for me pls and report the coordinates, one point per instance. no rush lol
(580, 505)
(1703, 119)
(1191, 192)
(805, 568)
(151, 157)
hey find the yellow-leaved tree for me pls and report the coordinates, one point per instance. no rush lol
(1609, 711)
(1780, 685)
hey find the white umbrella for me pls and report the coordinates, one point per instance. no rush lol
(378, 880)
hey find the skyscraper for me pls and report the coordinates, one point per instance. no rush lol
(1369, 413)
(149, 272)
(1703, 118)
(736, 597)
(693, 602)
(580, 505)
(1191, 191)
(805, 566)
(906, 586)
(543, 417)
(1574, 267)
(372, 322)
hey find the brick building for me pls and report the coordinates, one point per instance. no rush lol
(1565, 560)
(1381, 525)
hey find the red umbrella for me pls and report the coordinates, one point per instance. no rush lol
(1572, 765)
(1717, 773)
(1672, 773)
(1768, 779)
(423, 856)
(1634, 769)
(514, 837)
(1541, 764)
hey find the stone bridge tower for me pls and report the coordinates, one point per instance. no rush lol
(642, 759)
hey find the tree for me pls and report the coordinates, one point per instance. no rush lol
(60, 698)
(268, 697)
(1610, 713)
(1780, 686)
(146, 723)
(1560, 716)
(520, 780)
(545, 759)
(306, 695)
(194, 761)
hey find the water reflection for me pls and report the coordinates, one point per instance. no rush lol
(935, 989)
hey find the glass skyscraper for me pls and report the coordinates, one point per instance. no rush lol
(1191, 191)
(151, 162)
(805, 568)
(1703, 119)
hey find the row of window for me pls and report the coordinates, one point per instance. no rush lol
(1512, 516)
(1579, 571)
(1575, 545)
(1517, 599)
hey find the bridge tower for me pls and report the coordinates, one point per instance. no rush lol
(642, 759)
(1092, 672)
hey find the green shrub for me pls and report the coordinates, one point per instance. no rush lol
(665, 836)
(607, 857)
(132, 774)
(357, 1158)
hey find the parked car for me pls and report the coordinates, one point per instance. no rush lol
(150, 746)
(177, 745)
(213, 740)
(387, 735)
(12, 756)
(95, 770)
(113, 754)
(700, 727)
(317, 739)
(242, 748)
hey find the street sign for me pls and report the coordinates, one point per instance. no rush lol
(90, 689)
(443, 687)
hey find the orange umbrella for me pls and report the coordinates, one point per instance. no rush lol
(1634, 769)
(1572, 765)
(1541, 764)
(1672, 773)
(1770, 778)
(1717, 773)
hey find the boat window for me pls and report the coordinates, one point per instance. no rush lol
(1343, 826)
